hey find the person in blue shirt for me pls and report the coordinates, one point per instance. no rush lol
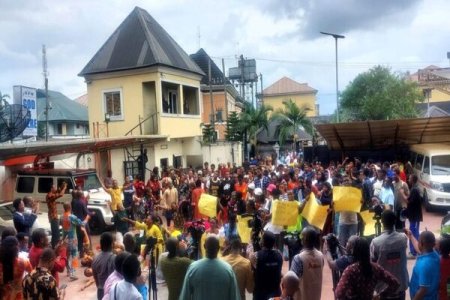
(424, 282)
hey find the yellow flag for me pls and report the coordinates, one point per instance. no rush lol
(369, 222)
(284, 213)
(347, 198)
(244, 230)
(207, 205)
(315, 213)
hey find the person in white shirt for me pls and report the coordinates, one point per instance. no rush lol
(125, 289)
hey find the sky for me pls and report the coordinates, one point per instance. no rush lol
(283, 37)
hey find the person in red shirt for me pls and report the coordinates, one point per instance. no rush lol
(444, 248)
(40, 243)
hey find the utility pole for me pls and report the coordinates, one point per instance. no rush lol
(225, 88)
(45, 73)
(262, 96)
(241, 64)
(211, 96)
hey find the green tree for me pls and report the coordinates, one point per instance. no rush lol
(380, 94)
(252, 119)
(3, 98)
(290, 119)
(232, 132)
(209, 134)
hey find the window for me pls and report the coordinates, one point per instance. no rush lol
(59, 128)
(170, 98)
(131, 168)
(440, 165)
(113, 104)
(25, 185)
(177, 162)
(419, 162)
(426, 165)
(191, 101)
(45, 184)
(219, 116)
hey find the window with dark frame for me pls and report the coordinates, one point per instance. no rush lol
(113, 104)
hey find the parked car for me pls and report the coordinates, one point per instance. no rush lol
(431, 163)
(37, 183)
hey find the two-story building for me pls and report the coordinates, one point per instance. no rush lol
(286, 88)
(141, 82)
(67, 119)
(218, 91)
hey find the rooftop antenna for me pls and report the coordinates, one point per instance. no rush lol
(199, 37)
(45, 73)
(448, 56)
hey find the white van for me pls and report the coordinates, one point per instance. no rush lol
(37, 183)
(431, 163)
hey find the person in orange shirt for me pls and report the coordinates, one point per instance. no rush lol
(196, 193)
(241, 186)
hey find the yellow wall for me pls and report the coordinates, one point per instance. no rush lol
(438, 96)
(133, 94)
(302, 100)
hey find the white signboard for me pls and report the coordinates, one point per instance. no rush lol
(27, 97)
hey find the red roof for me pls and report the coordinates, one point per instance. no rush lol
(288, 86)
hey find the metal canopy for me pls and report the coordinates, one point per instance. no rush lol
(10, 151)
(369, 135)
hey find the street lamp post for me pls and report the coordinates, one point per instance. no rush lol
(336, 37)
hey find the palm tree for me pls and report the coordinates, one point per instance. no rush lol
(290, 119)
(251, 119)
(3, 98)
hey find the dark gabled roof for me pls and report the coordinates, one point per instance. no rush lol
(62, 108)
(272, 135)
(201, 58)
(442, 108)
(139, 42)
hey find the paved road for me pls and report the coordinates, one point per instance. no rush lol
(432, 222)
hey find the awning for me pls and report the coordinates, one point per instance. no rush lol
(10, 152)
(371, 135)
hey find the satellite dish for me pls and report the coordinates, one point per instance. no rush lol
(14, 119)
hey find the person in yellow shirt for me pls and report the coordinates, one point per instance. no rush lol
(116, 194)
(151, 228)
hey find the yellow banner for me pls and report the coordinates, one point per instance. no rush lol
(284, 213)
(244, 231)
(347, 198)
(315, 213)
(369, 222)
(207, 205)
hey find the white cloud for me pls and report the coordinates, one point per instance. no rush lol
(282, 35)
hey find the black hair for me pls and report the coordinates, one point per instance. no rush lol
(268, 239)
(106, 241)
(118, 261)
(212, 247)
(310, 237)
(37, 236)
(388, 219)
(131, 268)
(366, 172)
(444, 247)
(9, 251)
(198, 183)
(8, 231)
(16, 203)
(235, 244)
(21, 236)
(276, 193)
(47, 255)
(172, 247)
(361, 254)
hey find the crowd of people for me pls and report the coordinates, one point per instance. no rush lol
(160, 226)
